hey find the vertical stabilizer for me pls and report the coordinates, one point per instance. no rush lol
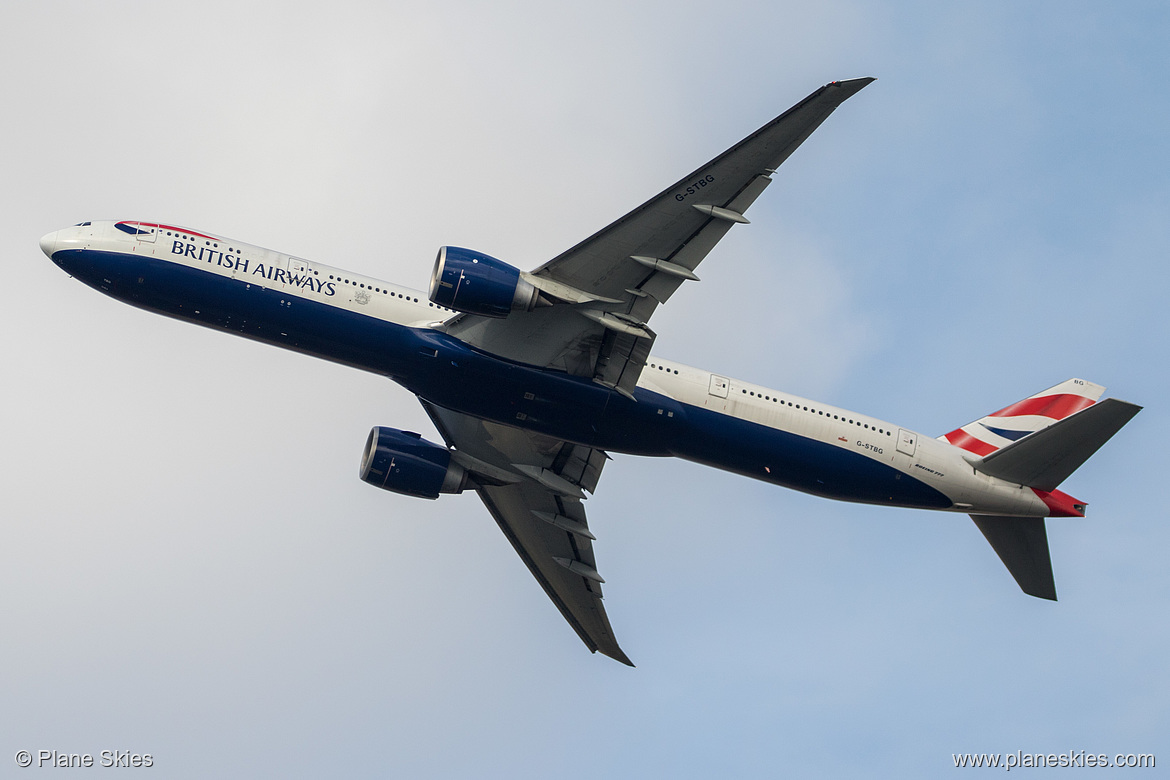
(1037, 443)
(1012, 423)
(1047, 457)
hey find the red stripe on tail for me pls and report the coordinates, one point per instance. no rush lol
(1061, 504)
(961, 438)
(1056, 407)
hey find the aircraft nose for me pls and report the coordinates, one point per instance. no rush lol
(49, 243)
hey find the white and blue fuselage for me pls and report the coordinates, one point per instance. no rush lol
(676, 410)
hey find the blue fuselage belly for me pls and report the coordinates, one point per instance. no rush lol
(449, 373)
(799, 462)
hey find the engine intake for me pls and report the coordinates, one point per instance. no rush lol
(404, 462)
(475, 283)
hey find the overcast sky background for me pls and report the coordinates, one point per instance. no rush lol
(191, 568)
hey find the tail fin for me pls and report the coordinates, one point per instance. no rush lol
(1045, 459)
(1012, 423)
(1038, 443)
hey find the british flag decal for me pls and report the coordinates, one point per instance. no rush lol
(1012, 423)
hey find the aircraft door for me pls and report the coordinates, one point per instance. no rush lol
(907, 441)
(291, 274)
(718, 387)
(147, 233)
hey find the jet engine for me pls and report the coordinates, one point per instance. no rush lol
(474, 283)
(405, 462)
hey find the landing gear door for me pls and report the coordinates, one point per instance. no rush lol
(907, 441)
(719, 385)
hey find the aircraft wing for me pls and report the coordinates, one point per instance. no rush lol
(538, 506)
(614, 280)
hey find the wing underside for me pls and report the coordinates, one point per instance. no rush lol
(538, 506)
(611, 283)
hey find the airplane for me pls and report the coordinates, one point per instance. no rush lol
(533, 378)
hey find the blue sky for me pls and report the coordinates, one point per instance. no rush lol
(190, 567)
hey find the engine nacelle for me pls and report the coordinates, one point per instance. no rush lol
(472, 282)
(404, 462)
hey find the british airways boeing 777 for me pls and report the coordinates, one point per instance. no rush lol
(531, 378)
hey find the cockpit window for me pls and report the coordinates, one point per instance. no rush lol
(81, 224)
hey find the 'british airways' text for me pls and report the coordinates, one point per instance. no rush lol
(270, 272)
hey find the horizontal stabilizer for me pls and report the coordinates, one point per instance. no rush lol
(1022, 544)
(1044, 459)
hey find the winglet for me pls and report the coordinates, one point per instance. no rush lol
(853, 85)
(616, 654)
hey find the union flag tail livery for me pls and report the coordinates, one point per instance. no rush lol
(1037, 443)
(1012, 423)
